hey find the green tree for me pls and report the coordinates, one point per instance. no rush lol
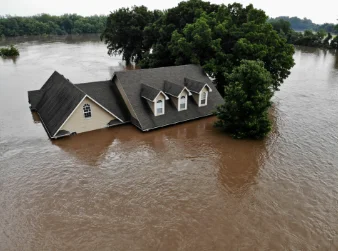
(11, 51)
(244, 113)
(124, 32)
(281, 25)
(158, 35)
(327, 40)
(334, 43)
(297, 23)
(47, 24)
(217, 37)
(218, 41)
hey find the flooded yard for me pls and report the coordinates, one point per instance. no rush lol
(185, 187)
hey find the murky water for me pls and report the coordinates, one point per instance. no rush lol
(186, 187)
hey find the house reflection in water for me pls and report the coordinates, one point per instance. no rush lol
(189, 147)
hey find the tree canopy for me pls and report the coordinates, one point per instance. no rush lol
(228, 41)
(217, 37)
(124, 32)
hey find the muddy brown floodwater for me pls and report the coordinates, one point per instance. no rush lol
(185, 187)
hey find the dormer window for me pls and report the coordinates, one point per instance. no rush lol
(155, 99)
(159, 107)
(183, 103)
(178, 94)
(204, 98)
(199, 89)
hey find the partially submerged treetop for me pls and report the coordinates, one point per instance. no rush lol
(11, 51)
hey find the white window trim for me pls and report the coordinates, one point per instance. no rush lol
(90, 111)
(206, 98)
(187, 90)
(186, 103)
(155, 107)
(161, 92)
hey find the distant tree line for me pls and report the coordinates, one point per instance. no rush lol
(46, 24)
(320, 38)
(299, 24)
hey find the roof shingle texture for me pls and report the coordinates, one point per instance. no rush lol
(149, 92)
(58, 101)
(194, 85)
(34, 98)
(131, 83)
(172, 88)
(106, 95)
(58, 97)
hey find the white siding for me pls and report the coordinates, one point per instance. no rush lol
(78, 123)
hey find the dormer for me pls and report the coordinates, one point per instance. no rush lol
(200, 91)
(178, 94)
(155, 99)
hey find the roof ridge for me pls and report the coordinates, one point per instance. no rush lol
(64, 78)
(94, 82)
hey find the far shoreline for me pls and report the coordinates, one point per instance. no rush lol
(92, 37)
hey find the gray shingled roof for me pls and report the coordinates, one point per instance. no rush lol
(34, 98)
(105, 94)
(131, 83)
(59, 99)
(172, 88)
(194, 85)
(149, 92)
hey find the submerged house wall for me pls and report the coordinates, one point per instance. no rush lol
(78, 123)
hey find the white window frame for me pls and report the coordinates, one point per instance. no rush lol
(86, 112)
(156, 111)
(206, 98)
(185, 104)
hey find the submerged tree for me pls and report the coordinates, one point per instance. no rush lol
(244, 113)
(11, 51)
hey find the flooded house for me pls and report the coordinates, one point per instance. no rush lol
(147, 98)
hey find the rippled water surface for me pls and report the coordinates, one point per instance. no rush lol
(185, 187)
